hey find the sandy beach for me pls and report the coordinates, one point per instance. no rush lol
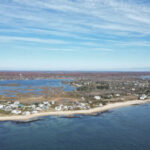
(65, 113)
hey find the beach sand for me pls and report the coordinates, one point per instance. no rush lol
(67, 113)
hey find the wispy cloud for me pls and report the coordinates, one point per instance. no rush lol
(79, 21)
(28, 39)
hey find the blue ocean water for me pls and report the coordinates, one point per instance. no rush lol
(125, 128)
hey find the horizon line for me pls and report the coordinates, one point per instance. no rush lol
(73, 70)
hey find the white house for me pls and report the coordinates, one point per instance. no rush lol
(1, 106)
(33, 106)
(118, 95)
(97, 97)
(16, 112)
(83, 98)
(46, 103)
(8, 108)
(41, 105)
(77, 85)
(82, 104)
(14, 106)
(58, 108)
(16, 103)
(52, 102)
(38, 109)
(100, 105)
(65, 107)
(26, 113)
(34, 112)
(143, 97)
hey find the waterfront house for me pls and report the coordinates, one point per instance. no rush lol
(38, 109)
(33, 106)
(16, 112)
(41, 105)
(1, 106)
(26, 113)
(65, 107)
(58, 108)
(97, 97)
(8, 108)
(143, 97)
(70, 107)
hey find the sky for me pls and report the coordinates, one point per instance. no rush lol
(75, 35)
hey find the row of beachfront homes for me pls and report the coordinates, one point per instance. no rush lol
(19, 109)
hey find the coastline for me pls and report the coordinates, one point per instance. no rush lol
(67, 113)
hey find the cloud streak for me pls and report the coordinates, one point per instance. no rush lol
(77, 22)
(29, 39)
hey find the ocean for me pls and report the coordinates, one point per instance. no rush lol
(126, 128)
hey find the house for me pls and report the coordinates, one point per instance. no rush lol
(77, 85)
(14, 106)
(117, 95)
(21, 105)
(58, 108)
(8, 108)
(90, 102)
(82, 104)
(16, 103)
(45, 107)
(143, 97)
(88, 107)
(16, 112)
(1, 106)
(100, 105)
(34, 112)
(46, 103)
(38, 109)
(33, 106)
(26, 113)
(82, 98)
(70, 107)
(97, 97)
(41, 105)
(52, 102)
(65, 107)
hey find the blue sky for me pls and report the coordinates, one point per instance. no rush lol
(96, 35)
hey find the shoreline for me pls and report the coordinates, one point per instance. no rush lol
(73, 112)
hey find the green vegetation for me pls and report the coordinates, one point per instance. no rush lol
(4, 112)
